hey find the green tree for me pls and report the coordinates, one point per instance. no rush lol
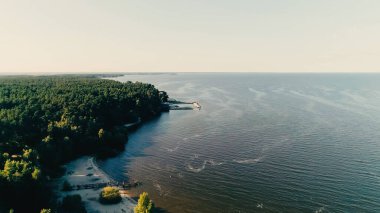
(18, 170)
(144, 205)
(164, 96)
(45, 211)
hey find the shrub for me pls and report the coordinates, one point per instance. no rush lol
(110, 195)
(73, 203)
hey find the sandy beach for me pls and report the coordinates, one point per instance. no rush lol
(85, 171)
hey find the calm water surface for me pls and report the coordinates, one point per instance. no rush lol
(261, 143)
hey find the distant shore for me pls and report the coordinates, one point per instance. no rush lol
(85, 171)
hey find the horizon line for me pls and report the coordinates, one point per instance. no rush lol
(178, 72)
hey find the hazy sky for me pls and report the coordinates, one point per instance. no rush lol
(189, 35)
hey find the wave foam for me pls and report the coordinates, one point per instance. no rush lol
(213, 163)
(248, 161)
(158, 188)
(205, 162)
(172, 150)
(258, 94)
(197, 170)
(320, 210)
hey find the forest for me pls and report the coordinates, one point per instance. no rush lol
(47, 121)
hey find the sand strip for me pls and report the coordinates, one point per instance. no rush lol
(85, 171)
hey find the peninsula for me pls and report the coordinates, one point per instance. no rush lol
(46, 122)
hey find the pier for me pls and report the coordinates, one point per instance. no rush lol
(197, 105)
(181, 105)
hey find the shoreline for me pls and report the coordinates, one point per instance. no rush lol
(85, 170)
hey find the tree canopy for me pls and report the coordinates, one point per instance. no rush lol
(46, 121)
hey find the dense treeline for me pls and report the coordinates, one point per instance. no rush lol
(46, 121)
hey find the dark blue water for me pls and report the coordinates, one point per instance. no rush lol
(261, 143)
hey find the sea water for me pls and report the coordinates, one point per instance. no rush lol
(260, 143)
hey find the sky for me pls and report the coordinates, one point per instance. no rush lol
(189, 36)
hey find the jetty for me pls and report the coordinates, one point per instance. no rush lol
(197, 105)
(173, 104)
